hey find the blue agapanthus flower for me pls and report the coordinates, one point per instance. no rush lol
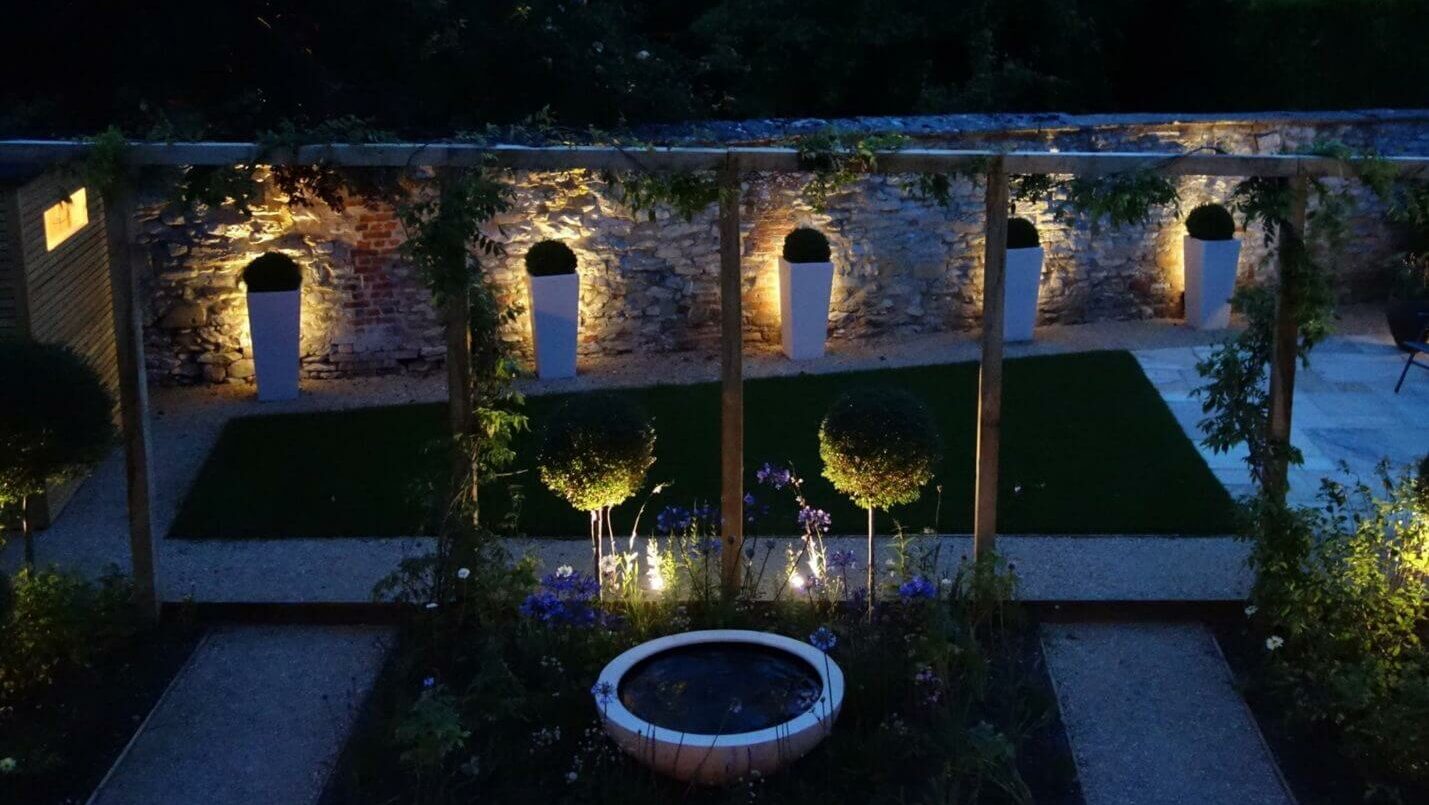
(817, 520)
(842, 560)
(673, 520)
(777, 477)
(603, 692)
(917, 587)
(823, 639)
(564, 599)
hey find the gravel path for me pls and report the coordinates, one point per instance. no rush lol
(258, 715)
(1154, 719)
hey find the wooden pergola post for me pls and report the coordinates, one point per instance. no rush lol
(124, 261)
(989, 401)
(457, 319)
(1286, 348)
(731, 360)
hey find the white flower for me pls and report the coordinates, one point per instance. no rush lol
(1274, 642)
(564, 571)
(7, 765)
(889, 563)
(570, 777)
(642, 55)
(431, 605)
(464, 573)
(947, 582)
(1250, 610)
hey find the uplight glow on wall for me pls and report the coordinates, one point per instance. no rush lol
(66, 218)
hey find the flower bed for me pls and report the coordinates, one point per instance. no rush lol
(490, 697)
(77, 676)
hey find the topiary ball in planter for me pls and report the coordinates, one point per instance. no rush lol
(553, 294)
(805, 245)
(879, 446)
(1210, 222)
(1211, 259)
(596, 450)
(806, 283)
(1021, 234)
(1022, 280)
(274, 320)
(550, 258)
(272, 273)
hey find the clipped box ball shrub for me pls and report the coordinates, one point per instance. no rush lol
(55, 422)
(880, 447)
(595, 451)
(272, 273)
(1021, 234)
(550, 258)
(805, 245)
(1210, 222)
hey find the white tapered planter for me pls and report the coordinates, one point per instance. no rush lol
(555, 312)
(804, 293)
(1021, 284)
(1210, 282)
(273, 321)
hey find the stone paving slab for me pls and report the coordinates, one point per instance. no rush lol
(258, 715)
(1154, 719)
(1345, 409)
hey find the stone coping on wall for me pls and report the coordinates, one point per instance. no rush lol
(983, 125)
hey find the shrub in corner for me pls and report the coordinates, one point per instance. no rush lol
(805, 245)
(55, 422)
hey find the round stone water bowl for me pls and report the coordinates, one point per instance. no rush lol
(713, 706)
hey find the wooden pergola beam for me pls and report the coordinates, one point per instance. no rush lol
(910, 160)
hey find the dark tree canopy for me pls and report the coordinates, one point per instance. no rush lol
(435, 67)
(55, 417)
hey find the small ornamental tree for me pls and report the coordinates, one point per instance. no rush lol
(879, 447)
(595, 453)
(55, 422)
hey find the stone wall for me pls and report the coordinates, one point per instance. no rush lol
(903, 266)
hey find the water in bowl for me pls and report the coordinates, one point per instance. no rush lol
(720, 688)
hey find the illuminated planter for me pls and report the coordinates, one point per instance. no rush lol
(273, 319)
(274, 284)
(1023, 278)
(1210, 281)
(711, 756)
(804, 293)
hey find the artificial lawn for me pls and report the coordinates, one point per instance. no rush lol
(1088, 447)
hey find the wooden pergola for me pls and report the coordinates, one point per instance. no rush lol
(730, 164)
